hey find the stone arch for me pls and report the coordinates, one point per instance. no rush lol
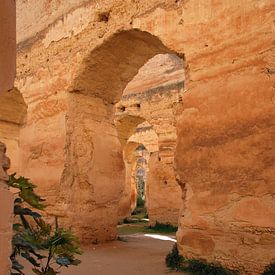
(127, 202)
(13, 111)
(94, 170)
(154, 94)
(128, 198)
(107, 70)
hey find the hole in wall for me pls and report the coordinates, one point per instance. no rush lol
(103, 17)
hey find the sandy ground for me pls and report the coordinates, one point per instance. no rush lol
(139, 255)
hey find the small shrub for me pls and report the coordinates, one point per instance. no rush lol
(164, 228)
(203, 268)
(140, 202)
(139, 213)
(176, 262)
(126, 221)
(270, 269)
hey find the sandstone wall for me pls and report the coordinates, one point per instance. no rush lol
(225, 144)
(128, 198)
(7, 45)
(93, 178)
(7, 75)
(12, 117)
(6, 199)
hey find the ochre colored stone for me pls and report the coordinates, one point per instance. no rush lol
(6, 199)
(152, 96)
(73, 68)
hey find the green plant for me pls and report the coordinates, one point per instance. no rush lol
(164, 228)
(140, 202)
(198, 267)
(270, 269)
(43, 245)
(174, 260)
(139, 210)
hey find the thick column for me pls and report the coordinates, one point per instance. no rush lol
(7, 45)
(6, 202)
(7, 75)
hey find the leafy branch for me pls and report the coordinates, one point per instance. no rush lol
(34, 239)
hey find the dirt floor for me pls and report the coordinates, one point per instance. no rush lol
(134, 254)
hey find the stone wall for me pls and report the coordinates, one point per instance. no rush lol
(7, 75)
(7, 45)
(12, 116)
(6, 199)
(225, 127)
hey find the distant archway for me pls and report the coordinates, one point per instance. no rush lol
(153, 95)
(143, 137)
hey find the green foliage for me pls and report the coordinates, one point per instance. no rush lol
(140, 212)
(174, 259)
(140, 202)
(270, 269)
(164, 228)
(26, 191)
(34, 239)
(193, 266)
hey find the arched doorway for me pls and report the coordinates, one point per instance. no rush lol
(153, 95)
(94, 175)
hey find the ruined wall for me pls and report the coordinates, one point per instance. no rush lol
(7, 75)
(93, 179)
(12, 116)
(6, 199)
(225, 147)
(7, 45)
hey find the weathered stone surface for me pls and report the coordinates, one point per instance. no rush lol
(6, 199)
(7, 75)
(12, 116)
(225, 127)
(7, 45)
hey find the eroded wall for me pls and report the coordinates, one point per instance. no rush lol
(6, 199)
(93, 178)
(7, 75)
(7, 45)
(12, 116)
(225, 146)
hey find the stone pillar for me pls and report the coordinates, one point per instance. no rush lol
(6, 202)
(7, 75)
(7, 44)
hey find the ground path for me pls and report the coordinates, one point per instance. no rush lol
(140, 250)
(137, 255)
